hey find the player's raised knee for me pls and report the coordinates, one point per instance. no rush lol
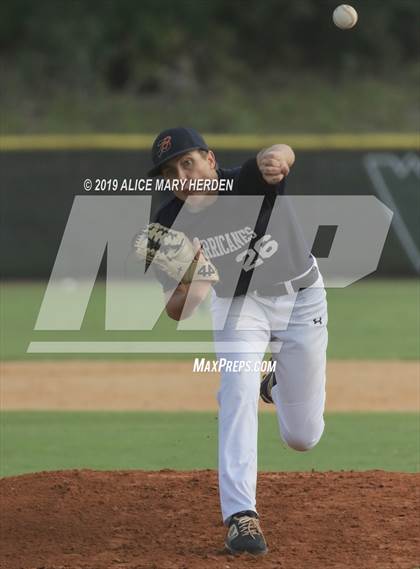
(302, 442)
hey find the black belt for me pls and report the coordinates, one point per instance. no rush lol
(298, 284)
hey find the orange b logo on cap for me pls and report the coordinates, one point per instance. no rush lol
(164, 145)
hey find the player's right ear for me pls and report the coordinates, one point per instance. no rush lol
(212, 159)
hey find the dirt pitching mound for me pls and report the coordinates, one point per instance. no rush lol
(166, 520)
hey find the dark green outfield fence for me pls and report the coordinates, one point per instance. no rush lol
(41, 176)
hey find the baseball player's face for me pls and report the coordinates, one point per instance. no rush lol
(192, 165)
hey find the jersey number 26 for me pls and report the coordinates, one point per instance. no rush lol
(263, 249)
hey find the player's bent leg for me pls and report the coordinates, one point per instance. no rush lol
(302, 425)
(299, 393)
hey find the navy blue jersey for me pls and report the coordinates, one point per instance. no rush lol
(235, 237)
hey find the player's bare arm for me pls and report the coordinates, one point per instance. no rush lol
(185, 298)
(275, 162)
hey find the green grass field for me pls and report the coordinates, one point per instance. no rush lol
(372, 319)
(34, 441)
(369, 320)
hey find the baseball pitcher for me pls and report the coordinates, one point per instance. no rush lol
(266, 294)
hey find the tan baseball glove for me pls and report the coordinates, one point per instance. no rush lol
(174, 254)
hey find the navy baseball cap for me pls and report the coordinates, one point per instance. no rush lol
(174, 142)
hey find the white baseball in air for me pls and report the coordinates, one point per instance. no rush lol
(345, 17)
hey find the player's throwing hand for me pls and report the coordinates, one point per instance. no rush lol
(274, 163)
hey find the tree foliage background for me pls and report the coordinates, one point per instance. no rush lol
(147, 46)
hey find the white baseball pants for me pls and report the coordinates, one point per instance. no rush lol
(257, 323)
